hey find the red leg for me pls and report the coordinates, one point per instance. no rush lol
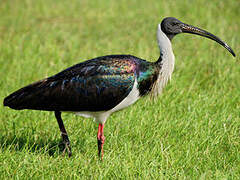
(100, 138)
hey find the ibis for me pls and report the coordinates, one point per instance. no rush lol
(101, 86)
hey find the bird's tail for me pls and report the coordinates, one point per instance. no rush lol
(26, 97)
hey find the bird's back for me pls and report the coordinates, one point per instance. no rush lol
(94, 85)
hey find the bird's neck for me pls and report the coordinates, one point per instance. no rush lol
(166, 52)
(165, 61)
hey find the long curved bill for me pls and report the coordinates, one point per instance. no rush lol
(194, 30)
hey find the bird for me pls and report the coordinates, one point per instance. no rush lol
(101, 86)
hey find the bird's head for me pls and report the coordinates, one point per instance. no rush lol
(172, 26)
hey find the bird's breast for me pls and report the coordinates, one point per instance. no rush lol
(146, 80)
(100, 116)
(131, 98)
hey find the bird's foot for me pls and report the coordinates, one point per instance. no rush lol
(66, 144)
(68, 148)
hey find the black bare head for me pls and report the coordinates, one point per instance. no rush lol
(172, 26)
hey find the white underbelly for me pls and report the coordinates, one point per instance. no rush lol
(132, 97)
(101, 116)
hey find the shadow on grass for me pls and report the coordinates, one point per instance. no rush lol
(26, 144)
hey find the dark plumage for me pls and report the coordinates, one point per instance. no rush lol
(101, 86)
(87, 86)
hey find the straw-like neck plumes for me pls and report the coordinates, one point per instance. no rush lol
(165, 61)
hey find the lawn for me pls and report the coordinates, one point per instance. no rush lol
(192, 131)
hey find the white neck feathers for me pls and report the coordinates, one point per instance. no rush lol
(164, 44)
(167, 62)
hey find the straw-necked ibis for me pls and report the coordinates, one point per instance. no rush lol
(103, 85)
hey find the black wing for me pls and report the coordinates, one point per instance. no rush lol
(94, 85)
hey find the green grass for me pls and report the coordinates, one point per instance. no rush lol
(191, 132)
